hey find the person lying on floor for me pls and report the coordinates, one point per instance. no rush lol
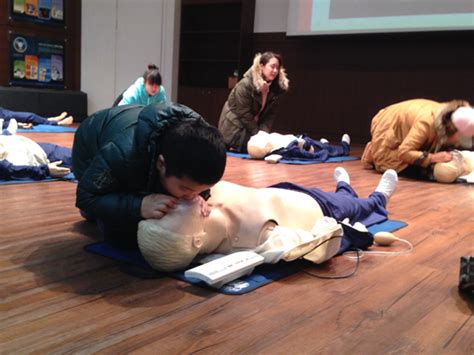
(22, 158)
(275, 146)
(30, 119)
(280, 222)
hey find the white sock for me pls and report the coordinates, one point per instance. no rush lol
(388, 183)
(12, 126)
(346, 138)
(324, 141)
(340, 174)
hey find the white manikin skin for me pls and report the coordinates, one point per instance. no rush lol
(461, 164)
(241, 218)
(263, 143)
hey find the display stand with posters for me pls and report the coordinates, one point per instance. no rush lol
(50, 12)
(36, 61)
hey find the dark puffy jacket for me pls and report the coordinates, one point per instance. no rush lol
(237, 120)
(114, 157)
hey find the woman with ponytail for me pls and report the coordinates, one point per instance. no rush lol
(146, 89)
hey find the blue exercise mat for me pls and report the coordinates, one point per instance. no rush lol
(68, 177)
(45, 128)
(262, 275)
(299, 162)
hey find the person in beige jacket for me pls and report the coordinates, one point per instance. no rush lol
(412, 135)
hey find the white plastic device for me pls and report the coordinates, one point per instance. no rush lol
(227, 268)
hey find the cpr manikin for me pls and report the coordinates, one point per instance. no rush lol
(461, 166)
(263, 143)
(283, 222)
(277, 223)
(274, 146)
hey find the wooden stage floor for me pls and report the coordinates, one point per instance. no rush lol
(56, 298)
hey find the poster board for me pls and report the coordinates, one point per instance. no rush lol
(37, 62)
(49, 12)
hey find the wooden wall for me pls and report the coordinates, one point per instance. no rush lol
(71, 32)
(339, 82)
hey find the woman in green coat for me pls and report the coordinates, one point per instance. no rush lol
(251, 105)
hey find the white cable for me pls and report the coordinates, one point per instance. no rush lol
(381, 253)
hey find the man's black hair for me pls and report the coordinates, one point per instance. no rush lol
(194, 150)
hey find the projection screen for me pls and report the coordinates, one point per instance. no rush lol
(320, 17)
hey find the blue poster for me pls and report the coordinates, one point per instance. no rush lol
(36, 62)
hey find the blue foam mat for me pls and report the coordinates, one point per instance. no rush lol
(262, 274)
(68, 177)
(44, 128)
(299, 162)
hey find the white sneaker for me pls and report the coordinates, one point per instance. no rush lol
(340, 174)
(346, 138)
(12, 126)
(324, 141)
(388, 183)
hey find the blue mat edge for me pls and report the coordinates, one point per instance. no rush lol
(47, 129)
(68, 177)
(299, 162)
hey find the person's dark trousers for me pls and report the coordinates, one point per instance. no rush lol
(55, 152)
(345, 203)
(24, 117)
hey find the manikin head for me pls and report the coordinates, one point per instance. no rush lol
(461, 164)
(259, 145)
(172, 242)
(152, 80)
(264, 143)
(192, 159)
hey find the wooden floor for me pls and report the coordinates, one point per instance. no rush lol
(56, 298)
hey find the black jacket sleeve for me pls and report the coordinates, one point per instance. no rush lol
(100, 191)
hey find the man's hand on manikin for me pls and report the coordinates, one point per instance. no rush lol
(205, 208)
(157, 205)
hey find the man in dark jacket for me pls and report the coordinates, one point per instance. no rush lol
(135, 162)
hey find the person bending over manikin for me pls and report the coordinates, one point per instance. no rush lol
(460, 167)
(275, 146)
(22, 158)
(281, 222)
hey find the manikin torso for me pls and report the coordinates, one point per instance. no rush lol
(239, 214)
(20, 150)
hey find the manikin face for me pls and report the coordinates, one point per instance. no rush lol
(152, 89)
(270, 70)
(182, 188)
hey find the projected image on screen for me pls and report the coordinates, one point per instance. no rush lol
(383, 8)
(361, 16)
